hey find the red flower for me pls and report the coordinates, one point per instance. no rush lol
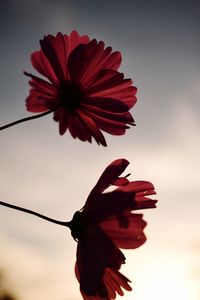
(83, 86)
(106, 224)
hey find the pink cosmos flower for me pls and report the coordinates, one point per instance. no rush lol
(105, 224)
(82, 86)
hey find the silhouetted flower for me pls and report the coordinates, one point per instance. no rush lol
(106, 224)
(83, 86)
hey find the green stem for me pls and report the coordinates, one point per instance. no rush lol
(28, 211)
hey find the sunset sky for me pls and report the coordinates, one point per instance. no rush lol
(42, 171)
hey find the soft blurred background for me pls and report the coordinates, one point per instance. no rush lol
(160, 44)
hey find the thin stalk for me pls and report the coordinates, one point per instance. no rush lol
(28, 211)
(28, 118)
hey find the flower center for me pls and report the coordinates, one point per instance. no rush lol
(70, 95)
(78, 225)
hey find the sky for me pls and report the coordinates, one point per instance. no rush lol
(42, 171)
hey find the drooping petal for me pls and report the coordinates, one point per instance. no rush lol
(92, 128)
(82, 293)
(108, 177)
(113, 123)
(123, 117)
(62, 116)
(79, 129)
(110, 115)
(110, 126)
(130, 237)
(95, 253)
(114, 282)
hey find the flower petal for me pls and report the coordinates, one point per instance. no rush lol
(51, 60)
(73, 40)
(82, 293)
(111, 84)
(125, 198)
(108, 177)
(110, 204)
(87, 60)
(92, 128)
(123, 117)
(116, 204)
(108, 104)
(35, 102)
(113, 123)
(62, 116)
(127, 238)
(78, 129)
(54, 49)
(142, 189)
(117, 280)
(113, 280)
(42, 65)
(42, 86)
(95, 253)
(57, 50)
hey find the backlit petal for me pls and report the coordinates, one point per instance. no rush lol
(35, 102)
(130, 237)
(42, 65)
(142, 189)
(108, 177)
(92, 128)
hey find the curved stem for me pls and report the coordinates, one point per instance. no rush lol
(28, 211)
(28, 118)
